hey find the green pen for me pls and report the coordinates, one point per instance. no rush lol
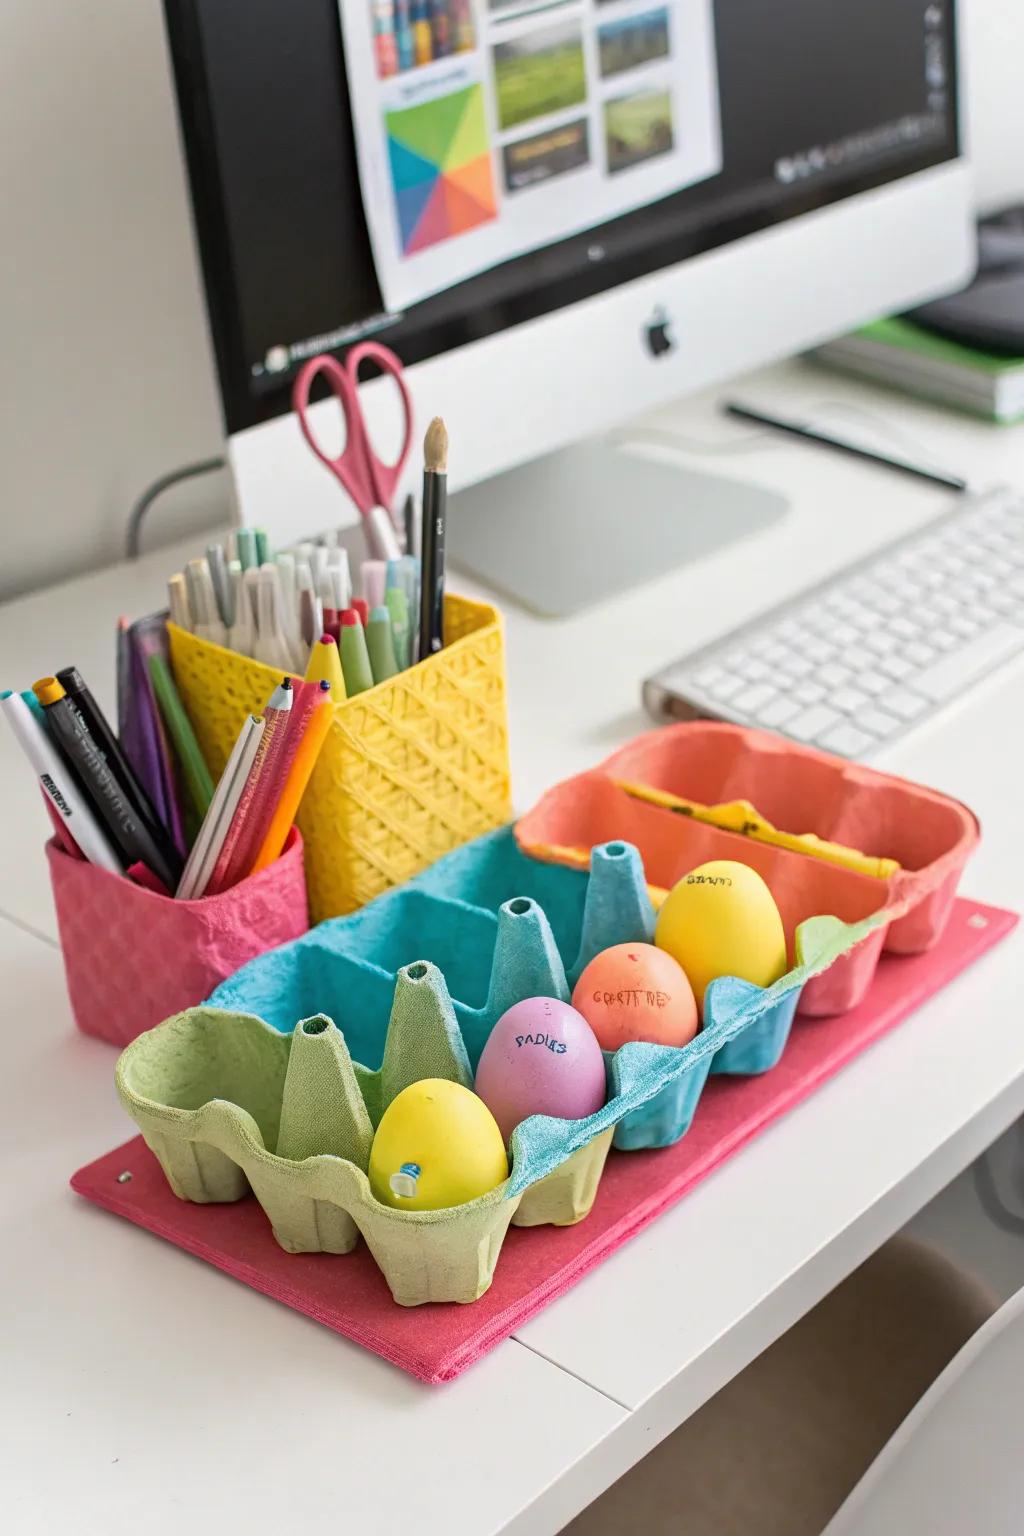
(398, 608)
(179, 728)
(381, 645)
(262, 545)
(355, 658)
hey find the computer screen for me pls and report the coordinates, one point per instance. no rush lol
(795, 104)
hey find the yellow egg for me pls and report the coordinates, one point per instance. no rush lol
(721, 920)
(436, 1145)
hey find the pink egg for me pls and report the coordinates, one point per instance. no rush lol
(541, 1058)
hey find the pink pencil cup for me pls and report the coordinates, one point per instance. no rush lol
(133, 957)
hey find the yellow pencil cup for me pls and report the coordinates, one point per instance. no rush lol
(410, 769)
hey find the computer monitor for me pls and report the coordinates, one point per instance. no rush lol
(559, 214)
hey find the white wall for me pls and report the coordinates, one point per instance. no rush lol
(108, 379)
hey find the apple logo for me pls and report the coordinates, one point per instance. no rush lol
(658, 336)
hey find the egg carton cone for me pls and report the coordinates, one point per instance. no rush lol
(288, 1117)
(410, 768)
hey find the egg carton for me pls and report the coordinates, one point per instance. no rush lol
(799, 790)
(212, 1089)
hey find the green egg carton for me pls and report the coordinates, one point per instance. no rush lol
(230, 1105)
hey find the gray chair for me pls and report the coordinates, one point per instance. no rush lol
(780, 1448)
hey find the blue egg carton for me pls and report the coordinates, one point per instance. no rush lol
(502, 926)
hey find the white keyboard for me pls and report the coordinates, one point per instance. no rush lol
(851, 664)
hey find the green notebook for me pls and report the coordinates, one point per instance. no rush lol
(903, 354)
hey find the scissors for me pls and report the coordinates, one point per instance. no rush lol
(369, 481)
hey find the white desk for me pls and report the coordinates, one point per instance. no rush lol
(248, 1426)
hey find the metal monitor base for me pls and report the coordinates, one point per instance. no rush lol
(578, 526)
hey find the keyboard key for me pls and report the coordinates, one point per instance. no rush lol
(873, 682)
(705, 677)
(812, 723)
(880, 641)
(919, 654)
(848, 700)
(954, 672)
(725, 688)
(833, 673)
(847, 740)
(750, 700)
(879, 722)
(905, 628)
(777, 711)
(903, 703)
(964, 626)
(796, 667)
(896, 668)
(809, 692)
(756, 671)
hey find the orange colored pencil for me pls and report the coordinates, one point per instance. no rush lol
(295, 784)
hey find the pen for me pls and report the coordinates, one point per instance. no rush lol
(59, 785)
(435, 497)
(122, 826)
(398, 609)
(177, 601)
(218, 567)
(811, 434)
(74, 685)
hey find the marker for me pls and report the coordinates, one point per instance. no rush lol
(410, 523)
(435, 498)
(218, 567)
(355, 659)
(325, 666)
(271, 646)
(179, 727)
(290, 608)
(69, 805)
(360, 607)
(302, 767)
(337, 564)
(74, 685)
(245, 542)
(398, 609)
(122, 827)
(241, 636)
(311, 616)
(380, 645)
(373, 578)
(328, 605)
(262, 545)
(202, 600)
(177, 602)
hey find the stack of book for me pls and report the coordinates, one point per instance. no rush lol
(908, 357)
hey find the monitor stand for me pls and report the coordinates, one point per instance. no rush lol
(587, 522)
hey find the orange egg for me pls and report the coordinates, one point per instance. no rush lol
(636, 992)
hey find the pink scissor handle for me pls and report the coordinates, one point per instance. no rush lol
(369, 481)
(386, 476)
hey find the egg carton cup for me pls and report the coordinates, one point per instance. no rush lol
(799, 790)
(410, 768)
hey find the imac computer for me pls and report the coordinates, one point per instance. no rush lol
(559, 214)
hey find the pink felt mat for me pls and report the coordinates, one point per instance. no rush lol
(436, 1342)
